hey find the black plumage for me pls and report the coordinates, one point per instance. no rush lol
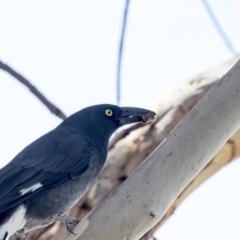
(50, 175)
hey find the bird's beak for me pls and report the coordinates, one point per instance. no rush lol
(134, 115)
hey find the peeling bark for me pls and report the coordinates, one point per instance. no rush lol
(130, 147)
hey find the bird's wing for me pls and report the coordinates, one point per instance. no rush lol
(49, 161)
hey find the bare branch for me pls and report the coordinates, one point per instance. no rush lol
(130, 147)
(53, 109)
(120, 53)
(141, 201)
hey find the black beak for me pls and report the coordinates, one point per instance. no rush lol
(135, 115)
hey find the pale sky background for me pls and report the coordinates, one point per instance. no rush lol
(68, 49)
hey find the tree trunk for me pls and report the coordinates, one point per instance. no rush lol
(131, 146)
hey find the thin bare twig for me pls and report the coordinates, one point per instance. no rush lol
(218, 27)
(53, 109)
(119, 64)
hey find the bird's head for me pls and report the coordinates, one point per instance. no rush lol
(103, 120)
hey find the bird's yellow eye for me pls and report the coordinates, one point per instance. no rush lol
(109, 112)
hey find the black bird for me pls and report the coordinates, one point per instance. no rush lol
(51, 174)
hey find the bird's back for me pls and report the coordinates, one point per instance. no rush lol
(48, 177)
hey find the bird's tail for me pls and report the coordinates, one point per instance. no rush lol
(11, 221)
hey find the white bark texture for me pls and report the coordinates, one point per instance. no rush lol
(141, 201)
(130, 147)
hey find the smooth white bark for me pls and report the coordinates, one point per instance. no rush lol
(140, 202)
